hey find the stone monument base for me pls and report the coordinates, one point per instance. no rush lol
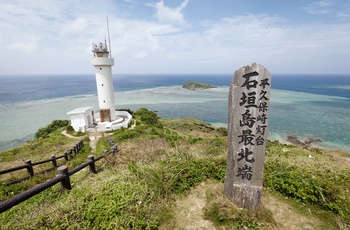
(245, 196)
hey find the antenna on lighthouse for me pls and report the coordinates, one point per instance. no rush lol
(109, 40)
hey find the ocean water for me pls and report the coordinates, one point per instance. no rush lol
(305, 105)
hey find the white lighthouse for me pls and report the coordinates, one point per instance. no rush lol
(108, 118)
(83, 119)
(103, 68)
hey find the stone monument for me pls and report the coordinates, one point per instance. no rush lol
(249, 101)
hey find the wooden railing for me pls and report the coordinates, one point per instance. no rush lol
(53, 159)
(62, 176)
(111, 143)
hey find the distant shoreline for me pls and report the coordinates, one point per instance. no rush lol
(307, 106)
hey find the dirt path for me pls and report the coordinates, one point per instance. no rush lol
(64, 132)
(190, 213)
(287, 216)
(94, 136)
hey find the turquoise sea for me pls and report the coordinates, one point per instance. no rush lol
(305, 105)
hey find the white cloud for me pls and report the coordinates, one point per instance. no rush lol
(324, 3)
(219, 46)
(320, 7)
(134, 38)
(140, 54)
(60, 35)
(28, 44)
(343, 15)
(167, 14)
(75, 27)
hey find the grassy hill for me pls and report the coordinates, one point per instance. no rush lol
(169, 174)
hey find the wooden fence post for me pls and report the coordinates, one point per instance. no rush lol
(53, 160)
(66, 156)
(29, 167)
(65, 183)
(92, 163)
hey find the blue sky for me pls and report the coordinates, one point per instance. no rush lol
(176, 36)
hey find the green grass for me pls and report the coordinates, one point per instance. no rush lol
(160, 161)
(317, 180)
(37, 150)
(102, 145)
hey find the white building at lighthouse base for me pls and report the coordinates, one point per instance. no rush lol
(123, 119)
(81, 118)
(84, 119)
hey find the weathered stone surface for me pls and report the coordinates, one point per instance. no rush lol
(249, 99)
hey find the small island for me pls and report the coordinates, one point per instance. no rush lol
(197, 86)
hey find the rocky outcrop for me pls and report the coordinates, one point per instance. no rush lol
(295, 141)
(197, 86)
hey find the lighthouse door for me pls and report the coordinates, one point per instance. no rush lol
(105, 115)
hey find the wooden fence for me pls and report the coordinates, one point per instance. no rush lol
(53, 159)
(111, 143)
(63, 175)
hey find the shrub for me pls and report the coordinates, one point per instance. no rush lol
(79, 134)
(56, 124)
(70, 129)
(223, 131)
(225, 215)
(180, 176)
(127, 110)
(147, 116)
(120, 135)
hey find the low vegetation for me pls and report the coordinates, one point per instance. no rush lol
(37, 150)
(169, 173)
(55, 125)
(197, 85)
(310, 176)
